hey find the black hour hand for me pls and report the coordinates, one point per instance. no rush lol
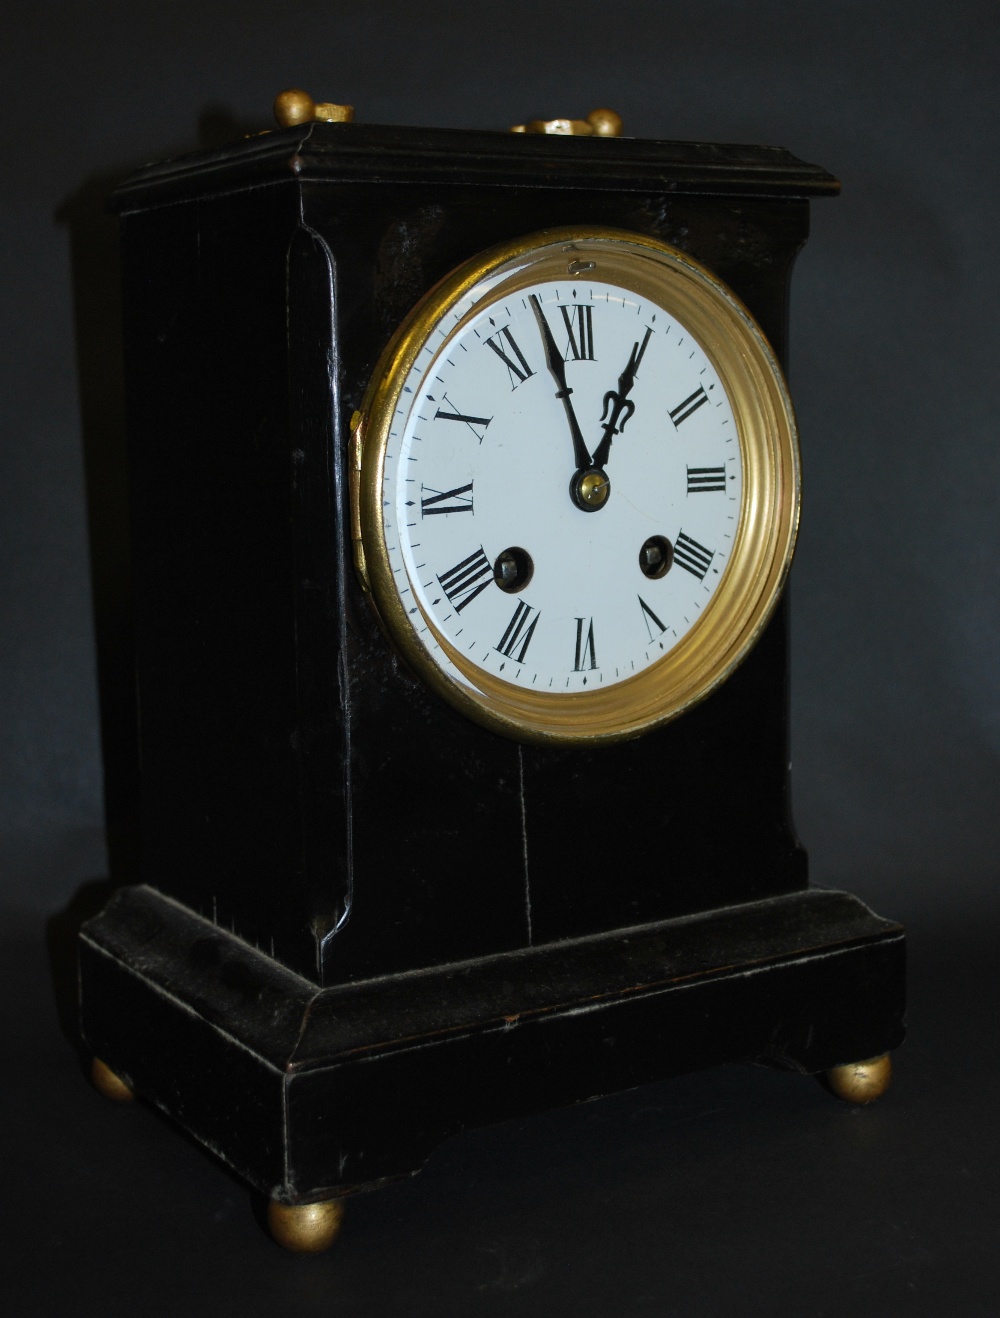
(619, 402)
(557, 369)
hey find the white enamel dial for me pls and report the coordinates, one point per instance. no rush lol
(482, 460)
(580, 486)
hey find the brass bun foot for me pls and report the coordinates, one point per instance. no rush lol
(305, 1228)
(106, 1082)
(861, 1082)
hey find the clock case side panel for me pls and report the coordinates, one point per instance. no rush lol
(238, 822)
(694, 816)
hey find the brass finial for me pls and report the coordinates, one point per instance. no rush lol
(605, 123)
(294, 107)
(599, 123)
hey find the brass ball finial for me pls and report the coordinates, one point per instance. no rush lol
(605, 123)
(861, 1082)
(305, 1228)
(294, 107)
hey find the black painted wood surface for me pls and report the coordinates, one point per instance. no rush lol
(309, 1093)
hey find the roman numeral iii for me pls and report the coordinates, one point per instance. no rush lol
(689, 406)
(692, 556)
(436, 502)
(505, 347)
(585, 657)
(516, 639)
(705, 480)
(463, 582)
(579, 322)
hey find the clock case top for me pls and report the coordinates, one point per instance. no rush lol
(300, 788)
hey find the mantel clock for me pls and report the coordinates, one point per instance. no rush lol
(465, 484)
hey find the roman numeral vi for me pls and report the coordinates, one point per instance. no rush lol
(585, 657)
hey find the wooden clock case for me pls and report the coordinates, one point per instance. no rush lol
(366, 922)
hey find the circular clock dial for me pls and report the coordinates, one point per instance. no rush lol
(561, 458)
(483, 461)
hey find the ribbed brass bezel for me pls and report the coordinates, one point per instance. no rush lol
(762, 551)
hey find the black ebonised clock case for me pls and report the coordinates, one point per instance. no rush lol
(364, 920)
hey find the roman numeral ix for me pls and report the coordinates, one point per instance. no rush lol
(705, 480)
(518, 369)
(466, 580)
(579, 322)
(436, 502)
(516, 639)
(692, 556)
(689, 406)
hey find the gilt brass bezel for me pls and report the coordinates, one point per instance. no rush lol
(763, 546)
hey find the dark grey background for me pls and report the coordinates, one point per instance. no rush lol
(735, 1192)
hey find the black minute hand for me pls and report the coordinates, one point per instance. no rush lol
(622, 406)
(557, 367)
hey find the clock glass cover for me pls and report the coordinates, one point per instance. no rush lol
(576, 485)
